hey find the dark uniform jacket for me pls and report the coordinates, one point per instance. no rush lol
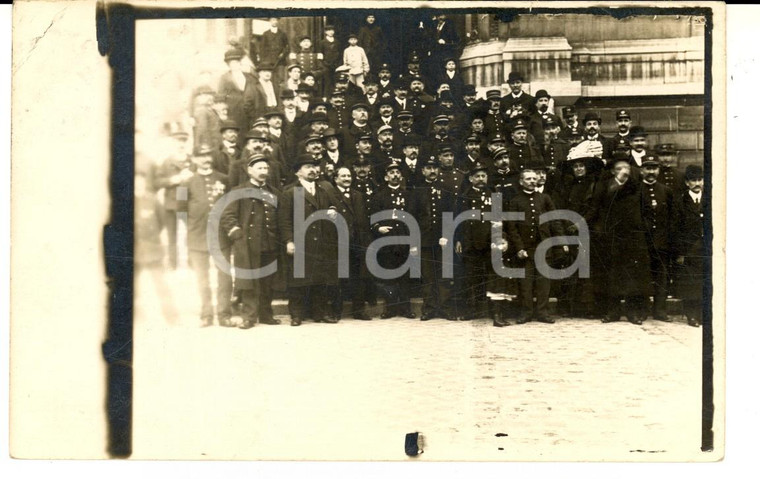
(203, 191)
(428, 203)
(397, 199)
(657, 208)
(522, 155)
(258, 221)
(475, 235)
(526, 235)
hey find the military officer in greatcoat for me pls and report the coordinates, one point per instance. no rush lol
(395, 198)
(658, 214)
(689, 246)
(316, 285)
(251, 225)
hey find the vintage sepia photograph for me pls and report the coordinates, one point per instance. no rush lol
(396, 231)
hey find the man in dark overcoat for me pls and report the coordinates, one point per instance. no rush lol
(352, 208)
(317, 284)
(689, 245)
(251, 224)
(617, 206)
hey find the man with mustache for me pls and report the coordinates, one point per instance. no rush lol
(395, 198)
(251, 225)
(689, 244)
(204, 188)
(592, 124)
(658, 212)
(474, 243)
(623, 119)
(428, 202)
(320, 277)
(521, 152)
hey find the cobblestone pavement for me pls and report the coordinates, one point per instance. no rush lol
(574, 390)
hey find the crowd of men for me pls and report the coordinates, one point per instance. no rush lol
(353, 137)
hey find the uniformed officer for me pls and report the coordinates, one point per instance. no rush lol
(474, 242)
(554, 149)
(251, 225)
(451, 177)
(524, 237)
(495, 122)
(623, 119)
(670, 176)
(521, 152)
(428, 202)
(394, 198)
(204, 188)
(309, 60)
(658, 213)
(502, 178)
(572, 126)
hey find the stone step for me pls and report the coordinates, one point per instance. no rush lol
(280, 307)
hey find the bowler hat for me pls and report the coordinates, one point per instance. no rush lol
(542, 94)
(304, 159)
(592, 116)
(693, 172)
(228, 125)
(513, 77)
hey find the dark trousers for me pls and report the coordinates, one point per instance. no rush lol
(476, 274)
(533, 285)
(436, 291)
(635, 307)
(355, 287)
(313, 298)
(170, 221)
(658, 268)
(200, 264)
(257, 301)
